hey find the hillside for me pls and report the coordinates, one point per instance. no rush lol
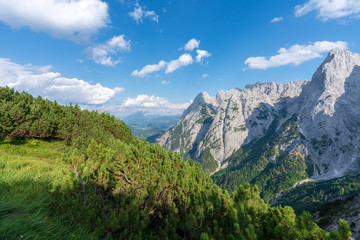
(29, 169)
(91, 184)
(328, 214)
(328, 200)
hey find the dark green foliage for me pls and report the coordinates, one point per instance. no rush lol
(312, 195)
(207, 161)
(136, 191)
(344, 230)
(22, 115)
(141, 184)
(330, 213)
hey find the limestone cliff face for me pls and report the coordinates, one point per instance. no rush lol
(326, 111)
(329, 115)
(220, 125)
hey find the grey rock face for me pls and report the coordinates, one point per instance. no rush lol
(327, 110)
(225, 122)
(330, 115)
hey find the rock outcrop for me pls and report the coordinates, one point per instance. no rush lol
(326, 111)
(220, 125)
(329, 115)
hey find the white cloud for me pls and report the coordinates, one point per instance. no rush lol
(149, 69)
(76, 20)
(296, 55)
(205, 75)
(165, 82)
(146, 103)
(101, 53)
(329, 9)
(51, 85)
(183, 60)
(138, 14)
(201, 54)
(192, 44)
(276, 19)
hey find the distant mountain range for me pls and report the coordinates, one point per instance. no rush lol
(149, 126)
(278, 135)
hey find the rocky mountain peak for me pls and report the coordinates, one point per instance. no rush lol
(200, 100)
(328, 82)
(337, 66)
(330, 114)
(325, 111)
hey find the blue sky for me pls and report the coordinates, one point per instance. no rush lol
(124, 56)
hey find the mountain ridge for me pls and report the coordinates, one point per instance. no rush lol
(223, 112)
(324, 118)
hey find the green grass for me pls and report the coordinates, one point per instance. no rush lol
(29, 169)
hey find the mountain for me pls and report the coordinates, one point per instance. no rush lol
(275, 135)
(67, 173)
(221, 124)
(149, 126)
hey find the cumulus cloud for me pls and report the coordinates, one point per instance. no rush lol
(149, 69)
(296, 54)
(76, 20)
(183, 60)
(276, 19)
(201, 54)
(192, 44)
(101, 53)
(138, 14)
(329, 9)
(51, 85)
(165, 82)
(205, 75)
(146, 103)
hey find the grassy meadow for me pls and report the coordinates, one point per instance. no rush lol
(29, 169)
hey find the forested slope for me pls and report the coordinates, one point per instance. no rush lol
(114, 186)
(22, 115)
